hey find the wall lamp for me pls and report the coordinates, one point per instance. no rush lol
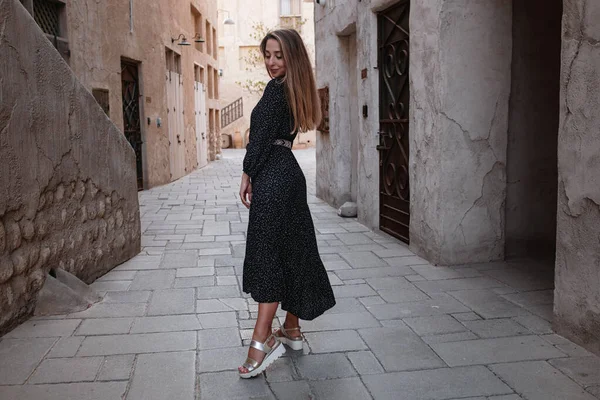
(182, 42)
(198, 39)
(228, 20)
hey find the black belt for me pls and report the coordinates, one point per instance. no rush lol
(283, 142)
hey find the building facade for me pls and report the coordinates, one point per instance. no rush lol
(244, 73)
(162, 94)
(470, 130)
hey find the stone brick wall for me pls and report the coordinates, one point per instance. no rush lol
(68, 195)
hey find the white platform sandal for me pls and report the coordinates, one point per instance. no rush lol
(271, 354)
(294, 343)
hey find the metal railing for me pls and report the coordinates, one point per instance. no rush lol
(232, 112)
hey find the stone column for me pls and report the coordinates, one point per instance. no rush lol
(460, 68)
(577, 293)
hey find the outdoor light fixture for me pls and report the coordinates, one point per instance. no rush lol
(226, 21)
(183, 42)
(198, 39)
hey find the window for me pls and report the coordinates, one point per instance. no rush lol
(208, 38)
(198, 28)
(290, 8)
(101, 96)
(211, 77)
(214, 43)
(199, 74)
(47, 14)
(216, 84)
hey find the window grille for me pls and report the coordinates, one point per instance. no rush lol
(47, 15)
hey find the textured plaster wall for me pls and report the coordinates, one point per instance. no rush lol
(577, 293)
(533, 130)
(68, 195)
(96, 54)
(460, 86)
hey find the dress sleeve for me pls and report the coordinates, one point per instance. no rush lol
(264, 127)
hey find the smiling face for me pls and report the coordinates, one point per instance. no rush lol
(274, 59)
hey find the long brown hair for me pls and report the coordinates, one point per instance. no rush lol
(300, 84)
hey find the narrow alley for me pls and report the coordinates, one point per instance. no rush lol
(174, 321)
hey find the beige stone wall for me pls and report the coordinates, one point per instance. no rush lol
(235, 42)
(100, 36)
(577, 294)
(68, 196)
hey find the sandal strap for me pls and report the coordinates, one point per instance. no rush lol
(264, 347)
(250, 364)
(286, 334)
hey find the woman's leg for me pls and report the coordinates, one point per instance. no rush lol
(262, 330)
(291, 322)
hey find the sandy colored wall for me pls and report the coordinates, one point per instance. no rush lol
(577, 293)
(68, 196)
(143, 36)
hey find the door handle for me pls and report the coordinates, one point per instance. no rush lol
(178, 140)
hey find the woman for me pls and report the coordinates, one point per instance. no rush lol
(282, 263)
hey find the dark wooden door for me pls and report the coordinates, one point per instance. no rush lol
(393, 40)
(131, 114)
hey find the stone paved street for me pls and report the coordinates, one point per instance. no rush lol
(174, 320)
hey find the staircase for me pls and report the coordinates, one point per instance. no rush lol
(232, 112)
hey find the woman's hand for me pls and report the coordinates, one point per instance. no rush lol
(246, 190)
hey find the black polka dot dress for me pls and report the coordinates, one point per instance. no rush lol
(282, 262)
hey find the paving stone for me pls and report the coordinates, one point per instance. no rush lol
(19, 359)
(432, 273)
(238, 304)
(228, 386)
(468, 316)
(451, 285)
(341, 321)
(226, 280)
(218, 292)
(347, 305)
(69, 391)
(44, 328)
(399, 349)
(66, 347)
(534, 323)
(530, 299)
(153, 280)
(396, 251)
(538, 380)
(522, 279)
(573, 350)
(173, 301)
(402, 295)
(180, 259)
(353, 291)
(225, 271)
(138, 343)
(493, 328)
(221, 359)
(298, 390)
(488, 304)
(216, 228)
(164, 376)
(325, 366)
(437, 384)
(202, 281)
(335, 281)
(167, 323)
(193, 272)
(110, 286)
(336, 265)
(116, 368)
(104, 326)
(371, 300)
(583, 370)
(363, 259)
(351, 239)
(449, 337)
(396, 282)
(282, 370)
(211, 306)
(594, 391)
(215, 251)
(340, 389)
(365, 363)
(417, 309)
(499, 350)
(117, 276)
(219, 338)
(141, 296)
(329, 342)
(218, 320)
(66, 370)
(435, 325)
(140, 263)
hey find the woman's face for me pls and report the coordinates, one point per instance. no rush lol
(274, 59)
